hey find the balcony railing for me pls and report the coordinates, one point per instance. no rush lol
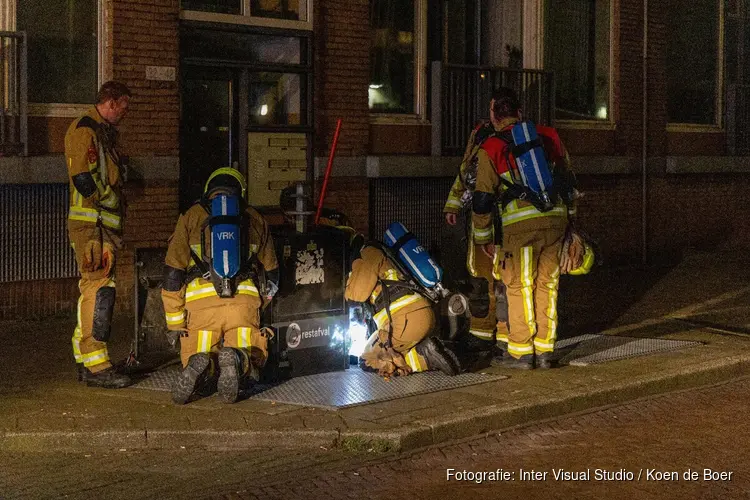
(13, 94)
(461, 98)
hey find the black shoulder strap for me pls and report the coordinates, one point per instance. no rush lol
(405, 238)
(88, 122)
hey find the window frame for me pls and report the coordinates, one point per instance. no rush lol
(419, 113)
(104, 62)
(610, 122)
(719, 124)
(245, 18)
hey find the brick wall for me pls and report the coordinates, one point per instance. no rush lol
(342, 75)
(38, 299)
(145, 33)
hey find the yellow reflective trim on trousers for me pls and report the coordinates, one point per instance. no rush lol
(496, 273)
(204, 341)
(244, 337)
(527, 290)
(501, 337)
(552, 286)
(513, 216)
(78, 334)
(382, 317)
(520, 349)
(540, 346)
(470, 255)
(95, 358)
(175, 318)
(412, 359)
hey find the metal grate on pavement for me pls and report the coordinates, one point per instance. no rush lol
(585, 350)
(343, 389)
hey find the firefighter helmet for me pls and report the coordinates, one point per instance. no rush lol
(588, 261)
(225, 178)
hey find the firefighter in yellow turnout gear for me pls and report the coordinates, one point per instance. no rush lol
(403, 317)
(95, 220)
(529, 260)
(211, 325)
(485, 328)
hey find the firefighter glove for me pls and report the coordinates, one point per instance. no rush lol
(92, 256)
(573, 250)
(108, 258)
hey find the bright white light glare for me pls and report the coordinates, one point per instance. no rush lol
(601, 113)
(264, 110)
(358, 338)
(376, 85)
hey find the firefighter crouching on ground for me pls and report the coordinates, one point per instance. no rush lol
(208, 323)
(529, 260)
(95, 219)
(403, 317)
(485, 329)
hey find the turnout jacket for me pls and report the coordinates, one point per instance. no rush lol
(200, 293)
(495, 160)
(364, 285)
(95, 176)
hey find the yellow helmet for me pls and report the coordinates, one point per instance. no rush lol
(588, 261)
(226, 177)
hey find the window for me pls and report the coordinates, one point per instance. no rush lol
(63, 49)
(397, 53)
(577, 48)
(269, 13)
(694, 61)
(276, 99)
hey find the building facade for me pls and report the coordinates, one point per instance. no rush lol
(651, 99)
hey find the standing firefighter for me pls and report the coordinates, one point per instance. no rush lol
(95, 222)
(213, 288)
(404, 318)
(533, 226)
(484, 328)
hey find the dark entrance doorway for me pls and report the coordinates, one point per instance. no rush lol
(207, 128)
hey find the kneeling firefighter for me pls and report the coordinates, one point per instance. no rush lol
(401, 309)
(213, 288)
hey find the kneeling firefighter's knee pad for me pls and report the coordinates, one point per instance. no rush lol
(479, 299)
(105, 304)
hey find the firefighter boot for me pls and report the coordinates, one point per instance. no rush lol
(235, 371)
(188, 379)
(525, 362)
(472, 343)
(107, 378)
(438, 357)
(544, 361)
(81, 372)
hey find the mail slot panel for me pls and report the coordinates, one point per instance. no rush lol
(275, 160)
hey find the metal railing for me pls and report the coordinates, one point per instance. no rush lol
(34, 242)
(13, 93)
(461, 95)
(738, 120)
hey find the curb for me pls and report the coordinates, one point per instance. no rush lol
(495, 418)
(428, 432)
